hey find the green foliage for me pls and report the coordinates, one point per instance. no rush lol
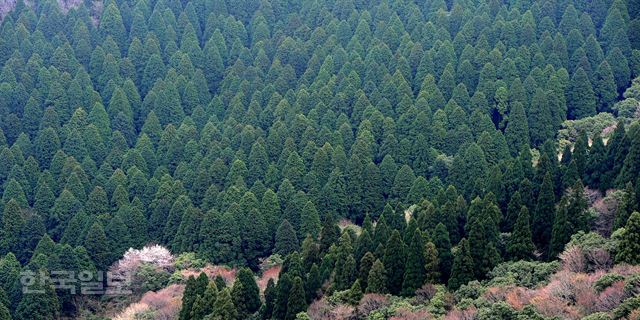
(628, 250)
(520, 246)
(234, 131)
(462, 270)
(528, 274)
(606, 281)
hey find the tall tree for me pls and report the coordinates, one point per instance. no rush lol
(629, 245)
(581, 100)
(297, 302)
(520, 246)
(463, 269)
(544, 213)
(414, 273)
(377, 278)
(394, 262)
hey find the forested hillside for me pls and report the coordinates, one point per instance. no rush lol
(457, 141)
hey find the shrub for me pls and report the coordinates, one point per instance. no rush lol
(500, 310)
(176, 278)
(598, 316)
(188, 260)
(471, 290)
(405, 314)
(462, 314)
(590, 125)
(595, 249)
(441, 302)
(529, 313)
(302, 316)
(528, 274)
(150, 278)
(632, 285)
(611, 296)
(606, 281)
(425, 293)
(573, 259)
(370, 303)
(270, 262)
(626, 308)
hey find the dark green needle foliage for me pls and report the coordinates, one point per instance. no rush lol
(358, 141)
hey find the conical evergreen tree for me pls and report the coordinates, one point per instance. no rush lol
(520, 246)
(543, 217)
(631, 165)
(443, 246)
(250, 292)
(286, 239)
(561, 232)
(377, 278)
(203, 305)
(12, 223)
(625, 207)
(188, 298)
(432, 274)
(223, 308)
(96, 244)
(39, 305)
(414, 273)
(297, 302)
(517, 131)
(463, 269)
(581, 100)
(394, 262)
(629, 246)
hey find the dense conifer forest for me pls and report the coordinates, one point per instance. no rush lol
(339, 159)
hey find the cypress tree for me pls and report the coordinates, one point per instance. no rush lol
(310, 220)
(329, 234)
(631, 165)
(543, 217)
(345, 266)
(188, 298)
(286, 239)
(366, 263)
(238, 300)
(223, 308)
(313, 283)
(249, 292)
(443, 247)
(414, 273)
(629, 245)
(625, 207)
(520, 246)
(605, 86)
(561, 232)
(517, 131)
(394, 262)
(269, 300)
(377, 278)
(40, 305)
(463, 269)
(4, 313)
(581, 100)
(203, 305)
(96, 244)
(12, 223)
(540, 119)
(282, 296)
(355, 293)
(431, 267)
(296, 302)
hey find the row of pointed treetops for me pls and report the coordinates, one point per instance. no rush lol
(235, 130)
